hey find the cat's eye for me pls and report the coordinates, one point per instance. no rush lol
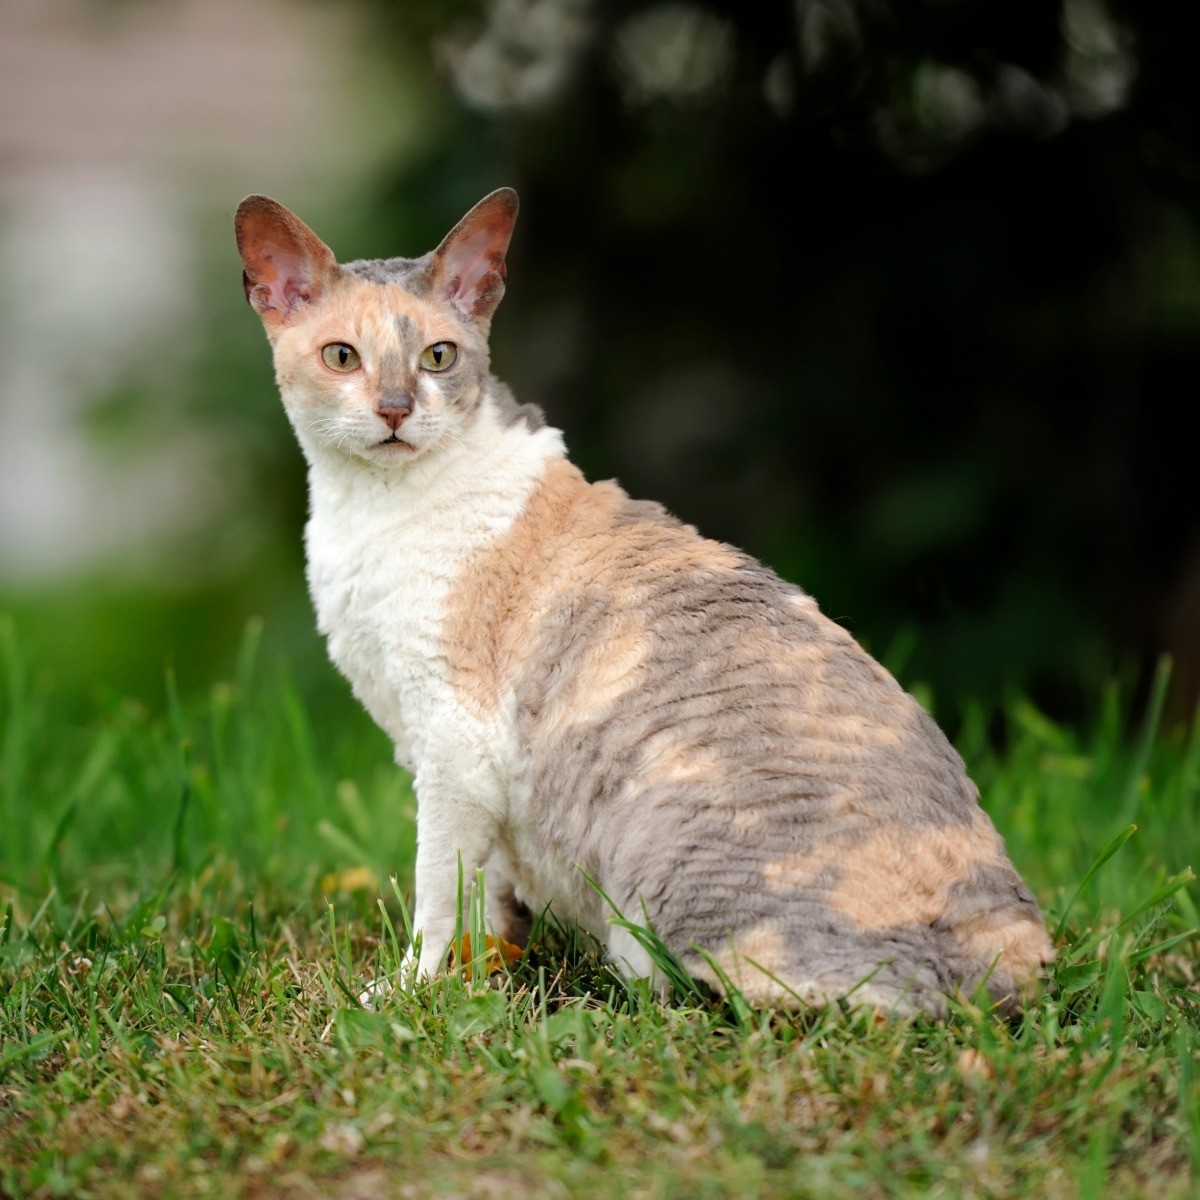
(340, 357)
(439, 357)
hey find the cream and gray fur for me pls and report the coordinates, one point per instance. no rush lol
(592, 697)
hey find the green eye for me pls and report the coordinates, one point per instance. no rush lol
(439, 357)
(340, 357)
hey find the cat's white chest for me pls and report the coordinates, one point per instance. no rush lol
(380, 588)
(384, 557)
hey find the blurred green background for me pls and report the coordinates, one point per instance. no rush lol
(903, 296)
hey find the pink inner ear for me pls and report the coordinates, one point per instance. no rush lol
(470, 260)
(286, 276)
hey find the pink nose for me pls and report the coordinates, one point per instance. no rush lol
(394, 414)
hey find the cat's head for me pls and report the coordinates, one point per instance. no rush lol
(381, 360)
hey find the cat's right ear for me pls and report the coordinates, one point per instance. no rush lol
(284, 264)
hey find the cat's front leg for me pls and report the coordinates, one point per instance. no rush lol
(457, 822)
(507, 916)
(450, 830)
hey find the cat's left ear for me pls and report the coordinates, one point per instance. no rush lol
(468, 267)
(285, 265)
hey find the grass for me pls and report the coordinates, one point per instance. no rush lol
(190, 902)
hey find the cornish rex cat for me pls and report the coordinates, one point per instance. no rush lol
(586, 689)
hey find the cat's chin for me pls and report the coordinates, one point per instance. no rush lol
(385, 453)
(391, 448)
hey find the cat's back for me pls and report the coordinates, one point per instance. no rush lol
(604, 617)
(699, 737)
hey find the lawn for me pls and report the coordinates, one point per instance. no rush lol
(192, 898)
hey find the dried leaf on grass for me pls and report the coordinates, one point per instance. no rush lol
(499, 952)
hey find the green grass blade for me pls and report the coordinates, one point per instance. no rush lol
(1159, 896)
(21, 1051)
(1147, 739)
(1104, 856)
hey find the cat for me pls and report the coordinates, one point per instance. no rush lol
(600, 707)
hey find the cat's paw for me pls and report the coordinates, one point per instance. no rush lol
(376, 991)
(423, 967)
(412, 970)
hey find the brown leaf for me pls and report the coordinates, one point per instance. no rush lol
(499, 952)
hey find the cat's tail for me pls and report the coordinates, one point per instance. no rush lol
(994, 929)
(982, 937)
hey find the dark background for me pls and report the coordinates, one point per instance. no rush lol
(934, 365)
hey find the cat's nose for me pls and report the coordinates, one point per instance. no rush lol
(393, 416)
(394, 409)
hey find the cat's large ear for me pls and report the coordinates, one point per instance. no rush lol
(468, 267)
(285, 265)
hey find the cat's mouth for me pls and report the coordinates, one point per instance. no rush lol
(395, 441)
